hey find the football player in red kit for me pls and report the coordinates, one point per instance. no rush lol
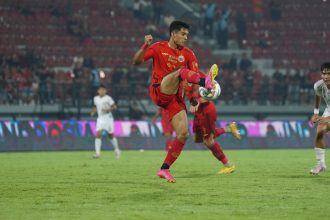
(173, 62)
(204, 127)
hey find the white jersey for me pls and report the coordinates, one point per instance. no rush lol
(103, 103)
(104, 119)
(321, 90)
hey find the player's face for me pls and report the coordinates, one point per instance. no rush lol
(180, 38)
(101, 91)
(326, 77)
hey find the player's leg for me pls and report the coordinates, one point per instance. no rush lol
(219, 131)
(168, 137)
(219, 154)
(180, 125)
(319, 149)
(171, 82)
(231, 128)
(112, 138)
(167, 130)
(98, 143)
(215, 149)
(114, 142)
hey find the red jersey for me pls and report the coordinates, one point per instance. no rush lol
(205, 118)
(167, 59)
(206, 109)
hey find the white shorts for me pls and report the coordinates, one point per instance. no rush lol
(105, 124)
(326, 112)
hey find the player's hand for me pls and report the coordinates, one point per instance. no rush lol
(315, 118)
(323, 120)
(92, 114)
(148, 39)
(106, 110)
(193, 108)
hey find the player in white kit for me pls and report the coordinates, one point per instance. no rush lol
(104, 106)
(322, 89)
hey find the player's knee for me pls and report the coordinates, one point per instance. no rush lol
(110, 136)
(183, 136)
(319, 135)
(208, 141)
(98, 135)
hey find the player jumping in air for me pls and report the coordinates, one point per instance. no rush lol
(172, 62)
(204, 128)
(322, 89)
(104, 106)
(166, 125)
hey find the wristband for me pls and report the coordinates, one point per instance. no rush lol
(316, 111)
(144, 46)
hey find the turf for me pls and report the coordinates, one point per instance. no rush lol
(268, 184)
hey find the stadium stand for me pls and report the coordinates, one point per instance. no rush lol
(39, 44)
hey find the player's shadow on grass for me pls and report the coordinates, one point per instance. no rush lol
(193, 175)
(147, 183)
(304, 176)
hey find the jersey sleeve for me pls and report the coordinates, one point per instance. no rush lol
(149, 53)
(111, 101)
(318, 88)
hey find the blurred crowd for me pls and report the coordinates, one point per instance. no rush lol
(242, 84)
(217, 22)
(25, 79)
(223, 23)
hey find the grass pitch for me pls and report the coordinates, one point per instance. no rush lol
(268, 184)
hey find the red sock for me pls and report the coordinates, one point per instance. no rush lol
(190, 76)
(218, 153)
(173, 152)
(168, 143)
(218, 132)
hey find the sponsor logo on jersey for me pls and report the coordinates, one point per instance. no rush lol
(181, 58)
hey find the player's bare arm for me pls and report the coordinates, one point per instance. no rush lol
(323, 120)
(93, 112)
(315, 118)
(138, 57)
(111, 109)
(155, 117)
(194, 100)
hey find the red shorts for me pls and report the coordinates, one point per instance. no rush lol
(172, 103)
(204, 119)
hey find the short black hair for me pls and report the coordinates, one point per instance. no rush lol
(177, 25)
(101, 86)
(325, 68)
